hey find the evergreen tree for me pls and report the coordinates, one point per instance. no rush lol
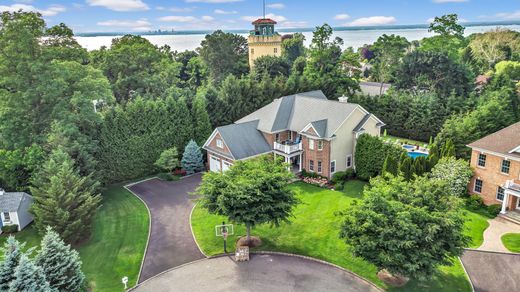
(29, 277)
(406, 168)
(60, 263)
(390, 165)
(192, 158)
(418, 165)
(201, 124)
(63, 199)
(12, 251)
(168, 160)
(448, 149)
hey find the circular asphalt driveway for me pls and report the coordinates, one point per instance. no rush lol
(171, 242)
(261, 273)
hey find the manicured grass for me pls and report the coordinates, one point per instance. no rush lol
(405, 140)
(476, 223)
(511, 241)
(116, 246)
(314, 232)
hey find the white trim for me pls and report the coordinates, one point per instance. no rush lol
(221, 138)
(365, 112)
(502, 167)
(319, 164)
(309, 125)
(475, 186)
(335, 168)
(219, 143)
(213, 134)
(503, 193)
(318, 146)
(517, 149)
(309, 141)
(351, 161)
(494, 153)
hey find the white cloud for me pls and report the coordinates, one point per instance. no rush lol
(213, 1)
(220, 11)
(449, 1)
(372, 20)
(276, 6)
(120, 5)
(136, 25)
(181, 9)
(207, 18)
(515, 15)
(178, 18)
(278, 18)
(342, 16)
(49, 11)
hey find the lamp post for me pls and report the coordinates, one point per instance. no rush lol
(224, 235)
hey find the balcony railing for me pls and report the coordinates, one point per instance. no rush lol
(288, 148)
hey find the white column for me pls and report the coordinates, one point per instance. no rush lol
(287, 160)
(301, 157)
(504, 203)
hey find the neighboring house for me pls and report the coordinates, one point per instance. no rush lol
(308, 130)
(496, 161)
(373, 88)
(14, 208)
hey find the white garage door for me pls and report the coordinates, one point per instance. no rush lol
(214, 164)
(226, 165)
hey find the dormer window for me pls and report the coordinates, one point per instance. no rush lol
(220, 144)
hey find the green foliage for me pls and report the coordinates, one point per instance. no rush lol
(168, 160)
(475, 202)
(60, 263)
(29, 277)
(10, 228)
(407, 228)
(509, 68)
(201, 123)
(406, 168)
(435, 72)
(293, 48)
(12, 251)
(224, 54)
(388, 51)
(192, 160)
(271, 66)
(447, 25)
(251, 192)
(456, 173)
(167, 176)
(489, 48)
(370, 155)
(63, 199)
(390, 166)
(16, 166)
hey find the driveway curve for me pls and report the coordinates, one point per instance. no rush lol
(171, 242)
(261, 273)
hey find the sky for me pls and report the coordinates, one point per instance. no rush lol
(146, 15)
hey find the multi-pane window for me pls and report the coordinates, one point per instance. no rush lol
(333, 166)
(481, 160)
(319, 166)
(500, 194)
(506, 164)
(311, 144)
(275, 50)
(277, 137)
(220, 144)
(320, 145)
(7, 217)
(349, 161)
(478, 186)
(311, 165)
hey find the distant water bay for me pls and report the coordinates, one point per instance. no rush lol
(351, 38)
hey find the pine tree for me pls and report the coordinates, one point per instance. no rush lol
(390, 165)
(12, 251)
(192, 158)
(202, 126)
(60, 263)
(29, 277)
(406, 168)
(418, 165)
(63, 199)
(448, 149)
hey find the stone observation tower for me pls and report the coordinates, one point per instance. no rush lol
(263, 40)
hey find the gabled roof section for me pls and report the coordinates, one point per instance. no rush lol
(10, 202)
(359, 126)
(320, 127)
(503, 142)
(283, 115)
(244, 140)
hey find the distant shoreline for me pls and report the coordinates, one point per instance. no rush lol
(309, 29)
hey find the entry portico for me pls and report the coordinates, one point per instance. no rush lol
(511, 189)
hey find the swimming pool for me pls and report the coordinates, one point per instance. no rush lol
(416, 154)
(409, 147)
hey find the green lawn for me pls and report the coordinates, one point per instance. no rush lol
(116, 246)
(314, 232)
(407, 141)
(511, 241)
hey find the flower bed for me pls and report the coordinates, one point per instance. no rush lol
(320, 181)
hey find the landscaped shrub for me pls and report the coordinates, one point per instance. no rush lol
(350, 173)
(10, 228)
(455, 172)
(494, 209)
(338, 177)
(167, 176)
(474, 201)
(339, 186)
(370, 155)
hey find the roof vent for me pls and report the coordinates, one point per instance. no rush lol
(343, 99)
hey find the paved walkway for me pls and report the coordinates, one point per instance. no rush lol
(261, 273)
(171, 243)
(490, 271)
(498, 227)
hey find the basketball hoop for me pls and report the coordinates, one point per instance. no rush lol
(224, 230)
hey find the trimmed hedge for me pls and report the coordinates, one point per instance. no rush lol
(10, 228)
(371, 153)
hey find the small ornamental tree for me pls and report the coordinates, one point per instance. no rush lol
(407, 228)
(456, 173)
(12, 251)
(169, 159)
(29, 277)
(251, 192)
(60, 263)
(192, 158)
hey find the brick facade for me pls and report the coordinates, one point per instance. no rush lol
(316, 155)
(492, 177)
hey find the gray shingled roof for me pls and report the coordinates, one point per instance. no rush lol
(320, 127)
(10, 202)
(373, 88)
(359, 126)
(294, 112)
(503, 141)
(244, 140)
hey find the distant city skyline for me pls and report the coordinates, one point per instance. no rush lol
(146, 15)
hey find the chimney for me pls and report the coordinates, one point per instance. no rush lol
(343, 99)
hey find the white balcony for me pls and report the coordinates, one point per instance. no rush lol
(287, 148)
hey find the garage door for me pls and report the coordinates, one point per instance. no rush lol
(226, 165)
(214, 164)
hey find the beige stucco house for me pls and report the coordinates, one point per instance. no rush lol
(308, 130)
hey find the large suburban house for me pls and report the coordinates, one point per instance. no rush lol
(14, 208)
(496, 161)
(308, 130)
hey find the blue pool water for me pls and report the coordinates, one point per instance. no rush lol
(416, 154)
(408, 146)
